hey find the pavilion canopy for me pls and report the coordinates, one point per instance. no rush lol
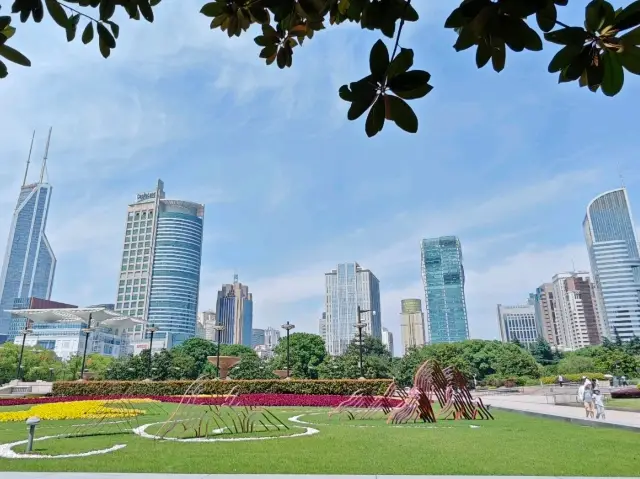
(99, 317)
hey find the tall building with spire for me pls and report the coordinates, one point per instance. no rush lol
(29, 263)
(234, 311)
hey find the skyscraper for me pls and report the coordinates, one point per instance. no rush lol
(443, 279)
(271, 337)
(347, 287)
(29, 263)
(545, 308)
(576, 311)
(411, 324)
(234, 311)
(615, 263)
(160, 270)
(207, 319)
(257, 337)
(387, 340)
(518, 323)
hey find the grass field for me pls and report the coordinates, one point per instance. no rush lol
(513, 444)
(627, 404)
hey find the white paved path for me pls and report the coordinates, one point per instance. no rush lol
(533, 404)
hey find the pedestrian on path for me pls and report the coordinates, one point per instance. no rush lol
(587, 400)
(599, 402)
(560, 380)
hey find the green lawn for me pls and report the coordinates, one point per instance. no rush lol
(630, 404)
(513, 444)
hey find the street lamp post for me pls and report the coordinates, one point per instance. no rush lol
(151, 329)
(25, 332)
(288, 327)
(87, 332)
(360, 325)
(218, 328)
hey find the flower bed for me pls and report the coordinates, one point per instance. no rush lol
(626, 393)
(340, 387)
(87, 409)
(305, 400)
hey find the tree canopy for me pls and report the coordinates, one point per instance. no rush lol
(306, 353)
(595, 53)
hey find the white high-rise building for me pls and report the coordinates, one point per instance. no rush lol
(576, 312)
(412, 330)
(612, 244)
(518, 323)
(271, 337)
(346, 288)
(387, 339)
(206, 322)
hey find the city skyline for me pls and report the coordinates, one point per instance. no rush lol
(234, 311)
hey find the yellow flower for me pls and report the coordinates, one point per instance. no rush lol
(94, 409)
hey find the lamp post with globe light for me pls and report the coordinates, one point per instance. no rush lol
(218, 328)
(361, 325)
(288, 327)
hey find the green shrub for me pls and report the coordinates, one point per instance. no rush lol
(174, 388)
(573, 378)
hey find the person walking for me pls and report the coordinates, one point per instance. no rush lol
(560, 380)
(587, 400)
(598, 400)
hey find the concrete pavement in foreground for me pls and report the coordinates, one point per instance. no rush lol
(95, 475)
(535, 405)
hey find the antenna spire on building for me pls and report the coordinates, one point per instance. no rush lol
(26, 171)
(235, 278)
(46, 153)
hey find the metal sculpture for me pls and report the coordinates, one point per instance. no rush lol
(207, 420)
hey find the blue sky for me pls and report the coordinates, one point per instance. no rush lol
(508, 162)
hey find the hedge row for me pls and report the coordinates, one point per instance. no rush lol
(573, 378)
(626, 393)
(338, 387)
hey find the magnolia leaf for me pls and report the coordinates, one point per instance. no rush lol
(57, 13)
(87, 34)
(375, 118)
(379, 60)
(613, 79)
(14, 56)
(399, 111)
(401, 63)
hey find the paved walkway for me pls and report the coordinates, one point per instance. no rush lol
(533, 405)
(95, 475)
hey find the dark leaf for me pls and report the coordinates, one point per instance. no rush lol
(105, 36)
(401, 63)
(259, 15)
(594, 15)
(87, 34)
(146, 10)
(455, 20)
(628, 17)
(595, 74)
(375, 118)
(532, 40)
(578, 65)
(466, 39)
(410, 14)
(568, 36)
(399, 111)
(363, 95)
(105, 51)
(107, 9)
(269, 50)
(4, 22)
(14, 56)
(632, 37)
(563, 58)
(346, 94)
(72, 27)
(613, 74)
(212, 9)
(3, 70)
(379, 60)
(483, 54)
(115, 28)
(547, 17)
(57, 13)
(409, 81)
(499, 56)
(282, 58)
(630, 59)
(7, 33)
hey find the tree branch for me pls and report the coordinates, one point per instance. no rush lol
(404, 11)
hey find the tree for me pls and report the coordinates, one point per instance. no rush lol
(542, 352)
(307, 352)
(251, 367)
(376, 361)
(236, 350)
(594, 54)
(633, 346)
(617, 338)
(613, 361)
(575, 364)
(199, 350)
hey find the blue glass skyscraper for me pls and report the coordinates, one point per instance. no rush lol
(29, 263)
(615, 263)
(160, 271)
(443, 279)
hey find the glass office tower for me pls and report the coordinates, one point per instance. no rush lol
(443, 279)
